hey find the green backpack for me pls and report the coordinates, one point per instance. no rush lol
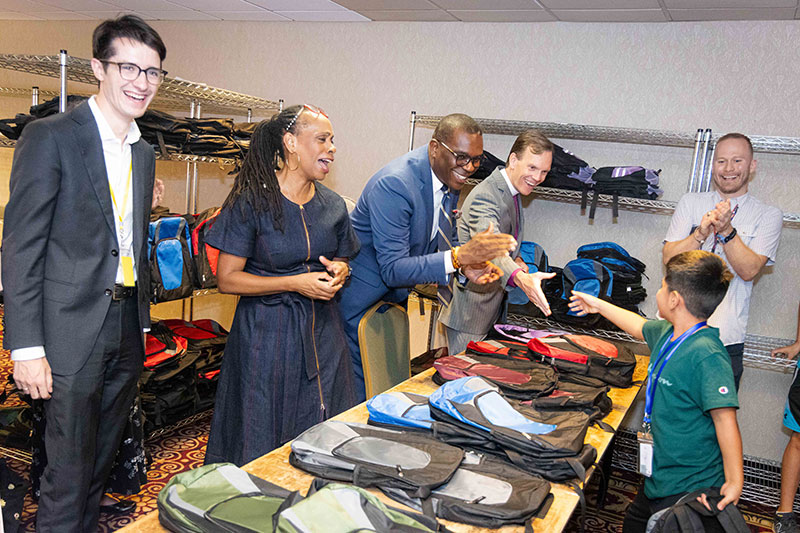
(222, 498)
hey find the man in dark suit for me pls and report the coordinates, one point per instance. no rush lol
(496, 201)
(397, 219)
(75, 269)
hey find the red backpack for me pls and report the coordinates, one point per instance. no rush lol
(205, 256)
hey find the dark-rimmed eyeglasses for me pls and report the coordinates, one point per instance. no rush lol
(311, 109)
(131, 71)
(463, 159)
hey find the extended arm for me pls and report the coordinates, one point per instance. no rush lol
(627, 321)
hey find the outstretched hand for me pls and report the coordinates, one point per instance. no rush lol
(485, 246)
(531, 285)
(582, 303)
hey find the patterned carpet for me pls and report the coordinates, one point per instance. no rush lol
(182, 447)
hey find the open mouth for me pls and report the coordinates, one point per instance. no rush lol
(324, 163)
(135, 97)
(459, 177)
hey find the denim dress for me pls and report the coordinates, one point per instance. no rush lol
(286, 365)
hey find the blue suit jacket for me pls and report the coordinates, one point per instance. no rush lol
(393, 220)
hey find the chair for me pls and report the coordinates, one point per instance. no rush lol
(385, 349)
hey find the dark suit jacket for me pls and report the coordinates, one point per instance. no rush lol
(393, 221)
(60, 251)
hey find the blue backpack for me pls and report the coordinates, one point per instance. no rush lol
(535, 257)
(171, 265)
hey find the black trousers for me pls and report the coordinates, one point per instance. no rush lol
(642, 508)
(86, 415)
(736, 353)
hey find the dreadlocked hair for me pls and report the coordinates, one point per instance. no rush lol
(257, 181)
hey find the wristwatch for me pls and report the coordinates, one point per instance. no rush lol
(729, 237)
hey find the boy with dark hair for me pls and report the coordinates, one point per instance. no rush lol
(690, 437)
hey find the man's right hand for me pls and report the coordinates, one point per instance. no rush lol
(34, 377)
(485, 246)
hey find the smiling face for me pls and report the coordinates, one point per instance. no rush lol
(733, 166)
(314, 145)
(528, 171)
(443, 162)
(121, 100)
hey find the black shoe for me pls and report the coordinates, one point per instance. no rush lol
(120, 506)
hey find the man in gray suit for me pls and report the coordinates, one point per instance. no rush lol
(76, 273)
(475, 308)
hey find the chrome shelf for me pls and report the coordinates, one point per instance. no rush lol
(191, 158)
(171, 92)
(756, 347)
(585, 132)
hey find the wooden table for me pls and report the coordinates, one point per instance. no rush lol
(275, 466)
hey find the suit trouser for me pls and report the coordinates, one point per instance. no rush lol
(457, 340)
(86, 416)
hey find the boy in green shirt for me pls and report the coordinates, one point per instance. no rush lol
(690, 411)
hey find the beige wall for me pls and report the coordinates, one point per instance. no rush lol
(368, 77)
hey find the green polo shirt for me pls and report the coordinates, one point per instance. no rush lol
(697, 378)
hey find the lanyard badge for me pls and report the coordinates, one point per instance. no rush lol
(126, 253)
(645, 436)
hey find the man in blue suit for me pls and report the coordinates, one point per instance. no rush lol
(397, 220)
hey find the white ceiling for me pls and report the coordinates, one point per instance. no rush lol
(406, 10)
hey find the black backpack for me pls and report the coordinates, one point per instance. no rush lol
(688, 515)
(171, 265)
(627, 290)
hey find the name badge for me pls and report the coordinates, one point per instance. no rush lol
(126, 262)
(645, 453)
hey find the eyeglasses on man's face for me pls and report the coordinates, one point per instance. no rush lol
(131, 71)
(463, 159)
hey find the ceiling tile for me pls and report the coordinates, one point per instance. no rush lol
(601, 4)
(480, 15)
(215, 5)
(295, 5)
(26, 6)
(9, 15)
(148, 5)
(186, 14)
(491, 5)
(381, 5)
(745, 4)
(775, 13)
(63, 15)
(261, 16)
(103, 15)
(409, 15)
(610, 15)
(324, 16)
(78, 5)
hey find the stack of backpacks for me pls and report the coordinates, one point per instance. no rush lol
(603, 269)
(180, 259)
(181, 369)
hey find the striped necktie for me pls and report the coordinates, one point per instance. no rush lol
(443, 236)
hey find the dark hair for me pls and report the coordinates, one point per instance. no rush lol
(449, 125)
(533, 140)
(257, 181)
(701, 278)
(735, 135)
(125, 27)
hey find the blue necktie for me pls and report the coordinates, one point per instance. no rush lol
(443, 236)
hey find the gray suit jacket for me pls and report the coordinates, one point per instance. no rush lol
(60, 251)
(475, 308)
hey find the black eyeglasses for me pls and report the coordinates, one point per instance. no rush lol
(463, 159)
(131, 71)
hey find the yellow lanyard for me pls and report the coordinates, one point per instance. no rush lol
(121, 212)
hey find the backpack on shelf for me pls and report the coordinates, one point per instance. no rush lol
(583, 275)
(205, 256)
(630, 182)
(627, 291)
(171, 265)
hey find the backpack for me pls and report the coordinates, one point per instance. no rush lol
(517, 379)
(219, 497)
(476, 407)
(489, 163)
(627, 291)
(535, 257)
(171, 265)
(631, 182)
(583, 275)
(339, 508)
(688, 515)
(370, 456)
(587, 356)
(205, 256)
(567, 171)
